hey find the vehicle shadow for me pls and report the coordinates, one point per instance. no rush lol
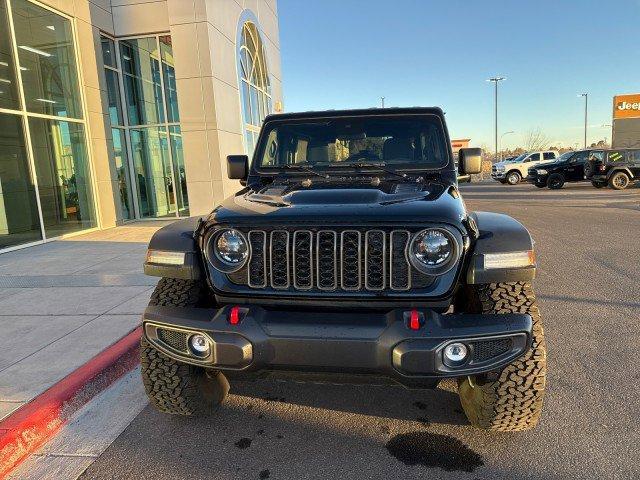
(440, 405)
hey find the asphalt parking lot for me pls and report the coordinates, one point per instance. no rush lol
(588, 251)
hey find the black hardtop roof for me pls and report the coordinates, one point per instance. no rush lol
(357, 112)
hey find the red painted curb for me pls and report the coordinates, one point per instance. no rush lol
(29, 427)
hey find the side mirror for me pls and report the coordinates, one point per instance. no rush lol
(469, 161)
(237, 167)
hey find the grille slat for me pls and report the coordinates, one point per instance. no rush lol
(327, 258)
(375, 264)
(332, 260)
(303, 260)
(279, 259)
(351, 264)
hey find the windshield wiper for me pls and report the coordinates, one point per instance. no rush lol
(379, 166)
(293, 166)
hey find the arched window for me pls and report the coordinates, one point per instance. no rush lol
(254, 83)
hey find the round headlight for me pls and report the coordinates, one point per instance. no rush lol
(230, 250)
(433, 251)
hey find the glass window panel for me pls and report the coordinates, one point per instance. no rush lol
(152, 170)
(47, 60)
(113, 96)
(255, 110)
(19, 221)
(122, 172)
(140, 62)
(248, 137)
(108, 52)
(179, 172)
(8, 83)
(62, 169)
(246, 103)
(169, 79)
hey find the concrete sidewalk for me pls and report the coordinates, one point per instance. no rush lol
(64, 302)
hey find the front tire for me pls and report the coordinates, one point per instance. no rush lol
(513, 178)
(556, 181)
(513, 401)
(174, 387)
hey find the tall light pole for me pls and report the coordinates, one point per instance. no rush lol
(586, 103)
(495, 81)
(382, 101)
(501, 137)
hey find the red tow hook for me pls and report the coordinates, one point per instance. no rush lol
(414, 320)
(234, 315)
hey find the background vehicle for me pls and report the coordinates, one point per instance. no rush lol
(344, 255)
(616, 168)
(513, 172)
(569, 167)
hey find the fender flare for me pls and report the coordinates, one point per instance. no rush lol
(615, 170)
(179, 236)
(498, 233)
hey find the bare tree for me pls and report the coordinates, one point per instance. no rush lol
(536, 140)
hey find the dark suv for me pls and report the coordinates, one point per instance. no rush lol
(348, 252)
(617, 168)
(569, 167)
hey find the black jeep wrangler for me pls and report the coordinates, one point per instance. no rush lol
(617, 168)
(568, 167)
(348, 252)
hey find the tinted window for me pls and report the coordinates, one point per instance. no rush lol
(634, 156)
(417, 142)
(549, 155)
(533, 157)
(580, 157)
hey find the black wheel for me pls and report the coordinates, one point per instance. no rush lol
(513, 178)
(598, 184)
(619, 181)
(175, 387)
(513, 401)
(556, 181)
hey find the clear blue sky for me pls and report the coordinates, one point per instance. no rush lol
(349, 53)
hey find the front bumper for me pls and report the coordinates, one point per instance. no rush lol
(353, 342)
(498, 175)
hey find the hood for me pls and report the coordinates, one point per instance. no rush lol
(347, 204)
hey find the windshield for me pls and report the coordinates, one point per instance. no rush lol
(409, 142)
(519, 158)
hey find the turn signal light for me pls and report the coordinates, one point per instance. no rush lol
(234, 315)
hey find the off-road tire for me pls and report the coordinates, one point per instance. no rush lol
(556, 181)
(175, 387)
(513, 178)
(619, 181)
(513, 401)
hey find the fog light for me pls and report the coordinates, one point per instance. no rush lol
(199, 345)
(455, 354)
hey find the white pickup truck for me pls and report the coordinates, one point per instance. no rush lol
(513, 171)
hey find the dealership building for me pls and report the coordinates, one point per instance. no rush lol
(626, 121)
(120, 110)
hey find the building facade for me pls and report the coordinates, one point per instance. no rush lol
(120, 110)
(626, 121)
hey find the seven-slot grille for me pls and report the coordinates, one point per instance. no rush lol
(330, 260)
